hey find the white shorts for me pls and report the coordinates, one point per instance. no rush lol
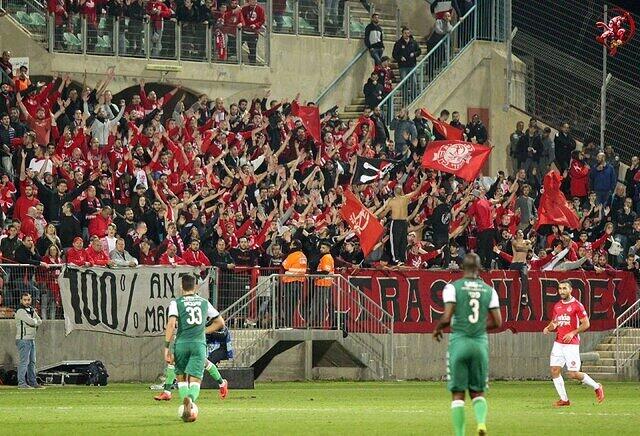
(566, 354)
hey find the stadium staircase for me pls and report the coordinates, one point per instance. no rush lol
(363, 338)
(392, 33)
(619, 352)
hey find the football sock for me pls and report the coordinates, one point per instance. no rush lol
(194, 390)
(559, 384)
(457, 415)
(213, 370)
(590, 382)
(183, 389)
(170, 377)
(480, 408)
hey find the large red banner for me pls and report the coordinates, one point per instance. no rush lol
(414, 297)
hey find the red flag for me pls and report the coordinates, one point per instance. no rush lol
(361, 221)
(464, 159)
(444, 129)
(554, 208)
(310, 117)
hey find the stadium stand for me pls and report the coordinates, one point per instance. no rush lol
(162, 169)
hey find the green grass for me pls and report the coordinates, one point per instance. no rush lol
(322, 408)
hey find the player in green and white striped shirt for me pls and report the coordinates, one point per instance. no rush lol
(193, 316)
(471, 307)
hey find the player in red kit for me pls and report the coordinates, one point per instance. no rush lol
(569, 319)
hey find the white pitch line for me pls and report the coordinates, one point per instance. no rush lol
(596, 414)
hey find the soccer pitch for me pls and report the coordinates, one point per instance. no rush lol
(318, 408)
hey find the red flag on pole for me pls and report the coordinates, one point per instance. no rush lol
(554, 208)
(464, 159)
(361, 221)
(310, 117)
(444, 129)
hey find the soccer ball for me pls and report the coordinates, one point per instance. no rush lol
(194, 412)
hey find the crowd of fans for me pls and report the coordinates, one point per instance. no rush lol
(227, 18)
(91, 180)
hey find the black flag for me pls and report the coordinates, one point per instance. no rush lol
(370, 170)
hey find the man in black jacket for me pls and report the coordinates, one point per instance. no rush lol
(374, 39)
(9, 244)
(529, 147)
(373, 91)
(475, 129)
(564, 145)
(54, 199)
(155, 223)
(406, 52)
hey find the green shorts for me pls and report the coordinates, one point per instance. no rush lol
(190, 358)
(468, 364)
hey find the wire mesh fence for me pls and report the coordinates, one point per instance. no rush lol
(564, 71)
(40, 282)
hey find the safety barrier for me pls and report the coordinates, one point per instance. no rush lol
(311, 302)
(40, 282)
(627, 336)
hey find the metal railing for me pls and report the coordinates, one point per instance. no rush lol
(30, 15)
(40, 282)
(420, 78)
(310, 302)
(343, 74)
(171, 40)
(321, 18)
(627, 336)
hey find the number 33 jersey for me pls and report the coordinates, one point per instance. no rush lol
(473, 299)
(192, 312)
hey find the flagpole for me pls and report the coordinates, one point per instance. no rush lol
(603, 90)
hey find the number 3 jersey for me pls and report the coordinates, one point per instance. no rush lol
(473, 299)
(192, 312)
(566, 316)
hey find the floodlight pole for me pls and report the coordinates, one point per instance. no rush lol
(603, 90)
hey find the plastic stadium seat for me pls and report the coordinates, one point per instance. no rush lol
(71, 41)
(287, 22)
(102, 24)
(24, 18)
(356, 28)
(38, 19)
(304, 26)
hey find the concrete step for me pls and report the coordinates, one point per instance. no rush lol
(609, 361)
(608, 376)
(630, 339)
(598, 368)
(629, 346)
(354, 108)
(606, 354)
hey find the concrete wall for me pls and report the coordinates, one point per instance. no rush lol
(513, 356)
(477, 79)
(298, 63)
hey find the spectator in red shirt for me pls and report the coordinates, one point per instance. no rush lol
(579, 176)
(100, 223)
(29, 225)
(482, 211)
(170, 257)
(146, 256)
(254, 18)
(96, 255)
(233, 21)
(158, 12)
(76, 254)
(24, 202)
(194, 256)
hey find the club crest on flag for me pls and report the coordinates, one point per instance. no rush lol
(454, 156)
(359, 221)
